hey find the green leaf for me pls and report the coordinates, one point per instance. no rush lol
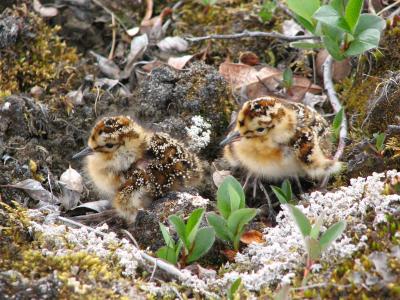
(220, 226)
(304, 9)
(333, 48)
(306, 45)
(168, 254)
(366, 40)
(314, 233)
(279, 194)
(339, 6)
(193, 224)
(337, 122)
(179, 226)
(301, 220)
(368, 21)
(288, 78)
(239, 218)
(379, 141)
(287, 189)
(202, 243)
(167, 238)
(234, 288)
(329, 16)
(313, 248)
(352, 13)
(224, 196)
(310, 26)
(331, 234)
(234, 198)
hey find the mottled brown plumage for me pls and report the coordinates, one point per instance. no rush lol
(274, 138)
(134, 166)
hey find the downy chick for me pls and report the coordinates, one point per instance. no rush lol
(134, 166)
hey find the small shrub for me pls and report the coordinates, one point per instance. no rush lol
(343, 29)
(233, 215)
(193, 243)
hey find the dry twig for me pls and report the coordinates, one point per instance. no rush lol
(337, 106)
(246, 34)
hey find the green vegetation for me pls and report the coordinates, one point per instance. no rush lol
(343, 29)
(193, 242)
(283, 193)
(233, 216)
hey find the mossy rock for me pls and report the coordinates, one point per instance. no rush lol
(170, 98)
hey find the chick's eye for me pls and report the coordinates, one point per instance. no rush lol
(109, 145)
(260, 129)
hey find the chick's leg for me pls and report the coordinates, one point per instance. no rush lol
(131, 197)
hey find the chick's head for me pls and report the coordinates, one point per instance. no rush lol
(113, 137)
(261, 119)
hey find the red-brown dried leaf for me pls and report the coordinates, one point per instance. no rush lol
(252, 236)
(229, 254)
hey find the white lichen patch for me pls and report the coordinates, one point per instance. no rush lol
(64, 240)
(283, 251)
(199, 133)
(195, 200)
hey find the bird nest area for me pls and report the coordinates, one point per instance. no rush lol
(182, 71)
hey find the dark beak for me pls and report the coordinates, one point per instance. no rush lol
(85, 152)
(233, 136)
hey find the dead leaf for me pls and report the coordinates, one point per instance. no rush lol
(291, 28)
(179, 62)
(35, 190)
(133, 31)
(341, 69)
(153, 26)
(138, 47)
(201, 272)
(151, 65)
(219, 176)
(258, 81)
(96, 206)
(229, 254)
(107, 66)
(249, 58)
(44, 11)
(173, 43)
(106, 82)
(36, 91)
(72, 187)
(76, 97)
(72, 180)
(252, 236)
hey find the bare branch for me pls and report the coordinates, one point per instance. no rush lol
(246, 34)
(337, 106)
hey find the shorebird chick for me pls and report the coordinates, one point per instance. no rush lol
(134, 166)
(274, 139)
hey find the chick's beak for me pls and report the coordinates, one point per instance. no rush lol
(233, 136)
(85, 152)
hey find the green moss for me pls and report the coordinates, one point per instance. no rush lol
(39, 58)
